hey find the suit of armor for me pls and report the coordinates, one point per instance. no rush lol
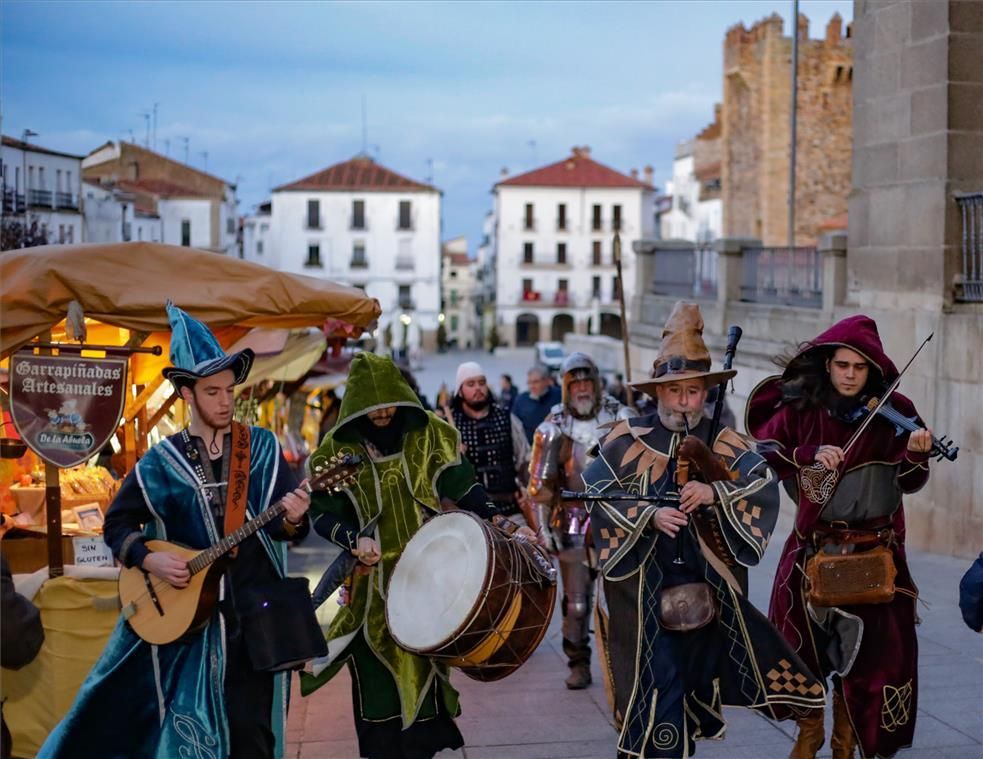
(561, 451)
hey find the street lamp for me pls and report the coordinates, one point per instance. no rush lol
(27, 134)
(440, 318)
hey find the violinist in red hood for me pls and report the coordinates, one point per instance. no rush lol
(805, 418)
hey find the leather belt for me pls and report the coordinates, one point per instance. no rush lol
(843, 533)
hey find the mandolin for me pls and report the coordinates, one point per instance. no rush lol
(160, 613)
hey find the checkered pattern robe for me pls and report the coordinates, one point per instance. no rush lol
(667, 689)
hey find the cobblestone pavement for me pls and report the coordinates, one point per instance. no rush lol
(530, 715)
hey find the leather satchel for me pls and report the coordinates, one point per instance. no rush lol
(279, 627)
(687, 607)
(852, 579)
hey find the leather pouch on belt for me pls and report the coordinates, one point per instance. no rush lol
(861, 577)
(686, 607)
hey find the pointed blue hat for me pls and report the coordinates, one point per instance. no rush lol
(195, 353)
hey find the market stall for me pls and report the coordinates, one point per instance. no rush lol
(64, 309)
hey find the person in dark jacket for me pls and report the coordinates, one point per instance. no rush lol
(21, 637)
(532, 406)
(971, 595)
(507, 397)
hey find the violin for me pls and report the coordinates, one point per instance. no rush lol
(942, 448)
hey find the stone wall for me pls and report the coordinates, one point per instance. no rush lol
(918, 139)
(755, 130)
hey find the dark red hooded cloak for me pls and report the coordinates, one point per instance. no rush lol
(878, 650)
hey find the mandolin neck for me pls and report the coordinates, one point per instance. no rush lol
(207, 557)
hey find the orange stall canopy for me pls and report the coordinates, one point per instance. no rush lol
(126, 284)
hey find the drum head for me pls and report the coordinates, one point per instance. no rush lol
(437, 582)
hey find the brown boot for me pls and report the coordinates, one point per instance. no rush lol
(811, 736)
(843, 741)
(579, 677)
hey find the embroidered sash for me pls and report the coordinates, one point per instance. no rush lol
(238, 490)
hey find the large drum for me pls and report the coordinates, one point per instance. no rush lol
(466, 593)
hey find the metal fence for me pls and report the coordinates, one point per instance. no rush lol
(785, 276)
(686, 272)
(971, 209)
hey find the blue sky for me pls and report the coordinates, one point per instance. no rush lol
(273, 91)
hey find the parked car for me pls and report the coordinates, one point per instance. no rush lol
(550, 355)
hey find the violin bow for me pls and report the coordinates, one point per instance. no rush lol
(818, 482)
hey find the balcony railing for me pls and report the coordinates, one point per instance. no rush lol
(359, 262)
(40, 198)
(13, 202)
(558, 298)
(358, 223)
(971, 281)
(741, 269)
(551, 262)
(785, 276)
(407, 304)
(528, 224)
(686, 272)
(66, 200)
(404, 263)
(562, 224)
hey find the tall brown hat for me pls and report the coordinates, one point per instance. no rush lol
(683, 354)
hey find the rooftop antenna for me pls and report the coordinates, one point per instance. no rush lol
(133, 140)
(167, 148)
(155, 125)
(532, 145)
(430, 171)
(187, 140)
(146, 120)
(365, 129)
(204, 154)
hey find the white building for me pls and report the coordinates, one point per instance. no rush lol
(195, 208)
(458, 285)
(361, 224)
(41, 187)
(256, 236)
(691, 216)
(484, 293)
(112, 214)
(553, 247)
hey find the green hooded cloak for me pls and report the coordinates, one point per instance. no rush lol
(404, 488)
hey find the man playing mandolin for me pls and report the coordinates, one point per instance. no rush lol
(843, 596)
(200, 695)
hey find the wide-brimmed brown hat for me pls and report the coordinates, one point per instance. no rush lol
(683, 354)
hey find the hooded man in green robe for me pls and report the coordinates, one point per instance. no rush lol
(404, 703)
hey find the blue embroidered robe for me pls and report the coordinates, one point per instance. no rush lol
(142, 701)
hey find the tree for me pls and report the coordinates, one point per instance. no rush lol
(15, 234)
(441, 337)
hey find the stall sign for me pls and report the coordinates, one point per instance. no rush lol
(92, 552)
(66, 407)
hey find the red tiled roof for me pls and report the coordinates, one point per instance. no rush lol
(359, 173)
(10, 142)
(160, 187)
(709, 171)
(459, 259)
(579, 170)
(834, 223)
